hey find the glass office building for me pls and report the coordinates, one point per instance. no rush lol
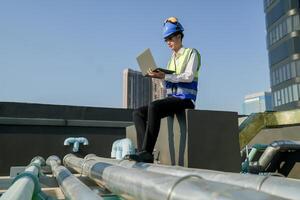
(258, 102)
(139, 90)
(283, 44)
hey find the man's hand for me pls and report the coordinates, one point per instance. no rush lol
(156, 74)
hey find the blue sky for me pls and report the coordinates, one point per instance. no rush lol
(74, 51)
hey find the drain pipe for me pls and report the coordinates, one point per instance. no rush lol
(138, 184)
(73, 188)
(26, 185)
(278, 186)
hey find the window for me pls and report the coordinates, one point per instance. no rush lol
(267, 3)
(290, 93)
(295, 93)
(298, 91)
(279, 97)
(284, 73)
(288, 71)
(286, 95)
(297, 65)
(280, 31)
(284, 28)
(282, 96)
(293, 69)
(277, 11)
(274, 98)
(272, 75)
(296, 24)
(277, 76)
(284, 50)
(289, 24)
(280, 75)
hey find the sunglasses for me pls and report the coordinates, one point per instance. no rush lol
(170, 37)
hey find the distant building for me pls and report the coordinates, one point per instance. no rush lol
(258, 102)
(139, 90)
(283, 44)
(158, 90)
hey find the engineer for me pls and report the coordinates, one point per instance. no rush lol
(181, 89)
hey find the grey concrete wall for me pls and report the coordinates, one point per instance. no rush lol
(200, 139)
(28, 130)
(33, 110)
(266, 136)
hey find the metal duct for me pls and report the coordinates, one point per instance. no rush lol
(144, 185)
(283, 187)
(25, 184)
(73, 188)
(271, 151)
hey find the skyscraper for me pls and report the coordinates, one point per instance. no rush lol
(139, 90)
(158, 90)
(257, 102)
(283, 44)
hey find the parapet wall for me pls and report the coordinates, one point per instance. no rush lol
(28, 130)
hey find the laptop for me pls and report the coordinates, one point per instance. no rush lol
(146, 61)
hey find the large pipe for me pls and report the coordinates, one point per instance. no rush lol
(278, 186)
(143, 185)
(271, 151)
(73, 188)
(24, 186)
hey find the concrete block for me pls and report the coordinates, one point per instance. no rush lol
(198, 139)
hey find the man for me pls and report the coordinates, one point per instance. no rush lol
(181, 91)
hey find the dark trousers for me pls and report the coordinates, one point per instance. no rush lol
(147, 119)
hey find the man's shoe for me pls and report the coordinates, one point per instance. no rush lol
(142, 156)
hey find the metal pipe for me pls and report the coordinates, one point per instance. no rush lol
(274, 148)
(264, 160)
(76, 142)
(73, 188)
(283, 187)
(121, 148)
(24, 186)
(143, 185)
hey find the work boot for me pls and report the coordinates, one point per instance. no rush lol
(142, 156)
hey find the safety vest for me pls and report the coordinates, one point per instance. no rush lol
(183, 90)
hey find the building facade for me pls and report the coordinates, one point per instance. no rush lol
(283, 44)
(158, 90)
(139, 90)
(257, 102)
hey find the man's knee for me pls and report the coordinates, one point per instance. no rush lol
(137, 113)
(153, 106)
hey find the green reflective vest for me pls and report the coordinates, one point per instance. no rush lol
(183, 90)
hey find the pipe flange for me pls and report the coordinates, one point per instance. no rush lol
(170, 192)
(54, 158)
(37, 187)
(84, 163)
(35, 165)
(67, 156)
(41, 159)
(91, 155)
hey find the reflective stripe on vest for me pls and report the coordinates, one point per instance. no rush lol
(183, 90)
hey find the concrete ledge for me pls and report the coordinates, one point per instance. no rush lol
(198, 139)
(62, 122)
(49, 111)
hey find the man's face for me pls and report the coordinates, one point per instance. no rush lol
(174, 42)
